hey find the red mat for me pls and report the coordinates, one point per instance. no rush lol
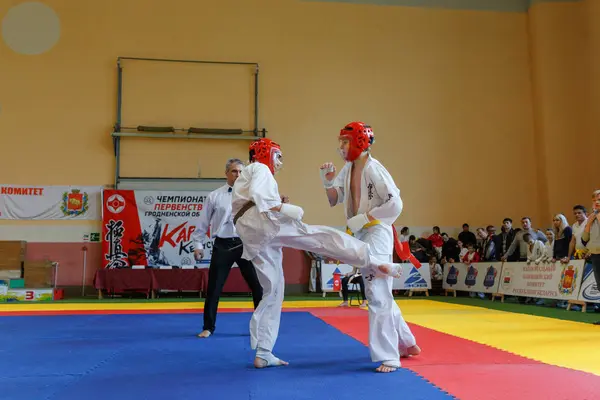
(470, 370)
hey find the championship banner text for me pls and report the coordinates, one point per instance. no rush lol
(151, 228)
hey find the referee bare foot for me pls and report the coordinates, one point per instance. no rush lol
(204, 334)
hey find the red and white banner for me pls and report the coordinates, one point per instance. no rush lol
(50, 202)
(151, 228)
(546, 280)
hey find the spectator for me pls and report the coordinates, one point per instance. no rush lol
(463, 250)
(504, 240)
(562, 234)
(549, 246)
(435, 269)
(450, 249)
(466, 236)
(436, 241)
(591, 237)
(535, 249)
(519, 245)
(577, 249)
(417, 249)
(488, 247)
(404, 234)
(353, 277)
(471, 256)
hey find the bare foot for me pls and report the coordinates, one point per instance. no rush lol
(385, 368)
(271, 362)
(204, 334)
(344, 304)
(363, 305)
(410, 352)
(414, 350)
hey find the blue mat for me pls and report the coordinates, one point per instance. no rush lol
(158, 356)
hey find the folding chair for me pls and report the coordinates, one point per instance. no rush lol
(354, 291)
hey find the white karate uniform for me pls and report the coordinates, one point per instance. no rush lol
(548, 251)
(265, 232)
(578, 232)
(389, 335)
(537, 252)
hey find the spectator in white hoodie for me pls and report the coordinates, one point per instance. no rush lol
(549, 246)
(535, 249)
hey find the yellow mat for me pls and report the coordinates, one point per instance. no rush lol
(552, 341)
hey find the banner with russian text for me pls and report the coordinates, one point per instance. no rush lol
(546, 280)
(50, 202)
(482, 277)
(151, 228)
(589, 287)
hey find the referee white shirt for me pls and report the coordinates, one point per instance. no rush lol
(216, 214)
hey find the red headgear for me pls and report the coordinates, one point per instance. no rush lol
(265, 152)
(360, 136)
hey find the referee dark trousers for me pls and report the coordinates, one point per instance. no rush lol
(227, 251)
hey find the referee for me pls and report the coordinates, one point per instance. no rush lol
(227, 247)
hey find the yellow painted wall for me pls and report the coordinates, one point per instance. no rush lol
(561, 76)
(449, 94)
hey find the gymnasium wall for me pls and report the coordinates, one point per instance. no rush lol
(477, 111)
(565, 98)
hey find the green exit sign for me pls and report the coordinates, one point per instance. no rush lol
(94, 237)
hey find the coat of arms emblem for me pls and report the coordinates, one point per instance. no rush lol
(568, 280)
(74, 203)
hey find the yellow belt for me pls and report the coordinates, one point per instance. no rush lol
(370, 224)
(580, 254)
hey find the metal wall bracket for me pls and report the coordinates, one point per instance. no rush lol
(120, 132)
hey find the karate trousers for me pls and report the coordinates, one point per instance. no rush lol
(324, 240)
(389, 335)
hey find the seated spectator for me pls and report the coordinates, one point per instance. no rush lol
(471, 256)
(353, 277)
(417, 249)
(450, 250)
(404, 234)
(426, 243)
(435, 269)
(462, 250)
(436, 241)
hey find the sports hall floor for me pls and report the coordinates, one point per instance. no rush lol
(138, 349)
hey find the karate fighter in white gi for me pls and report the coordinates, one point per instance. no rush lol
(266, 224)
(372, 203)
